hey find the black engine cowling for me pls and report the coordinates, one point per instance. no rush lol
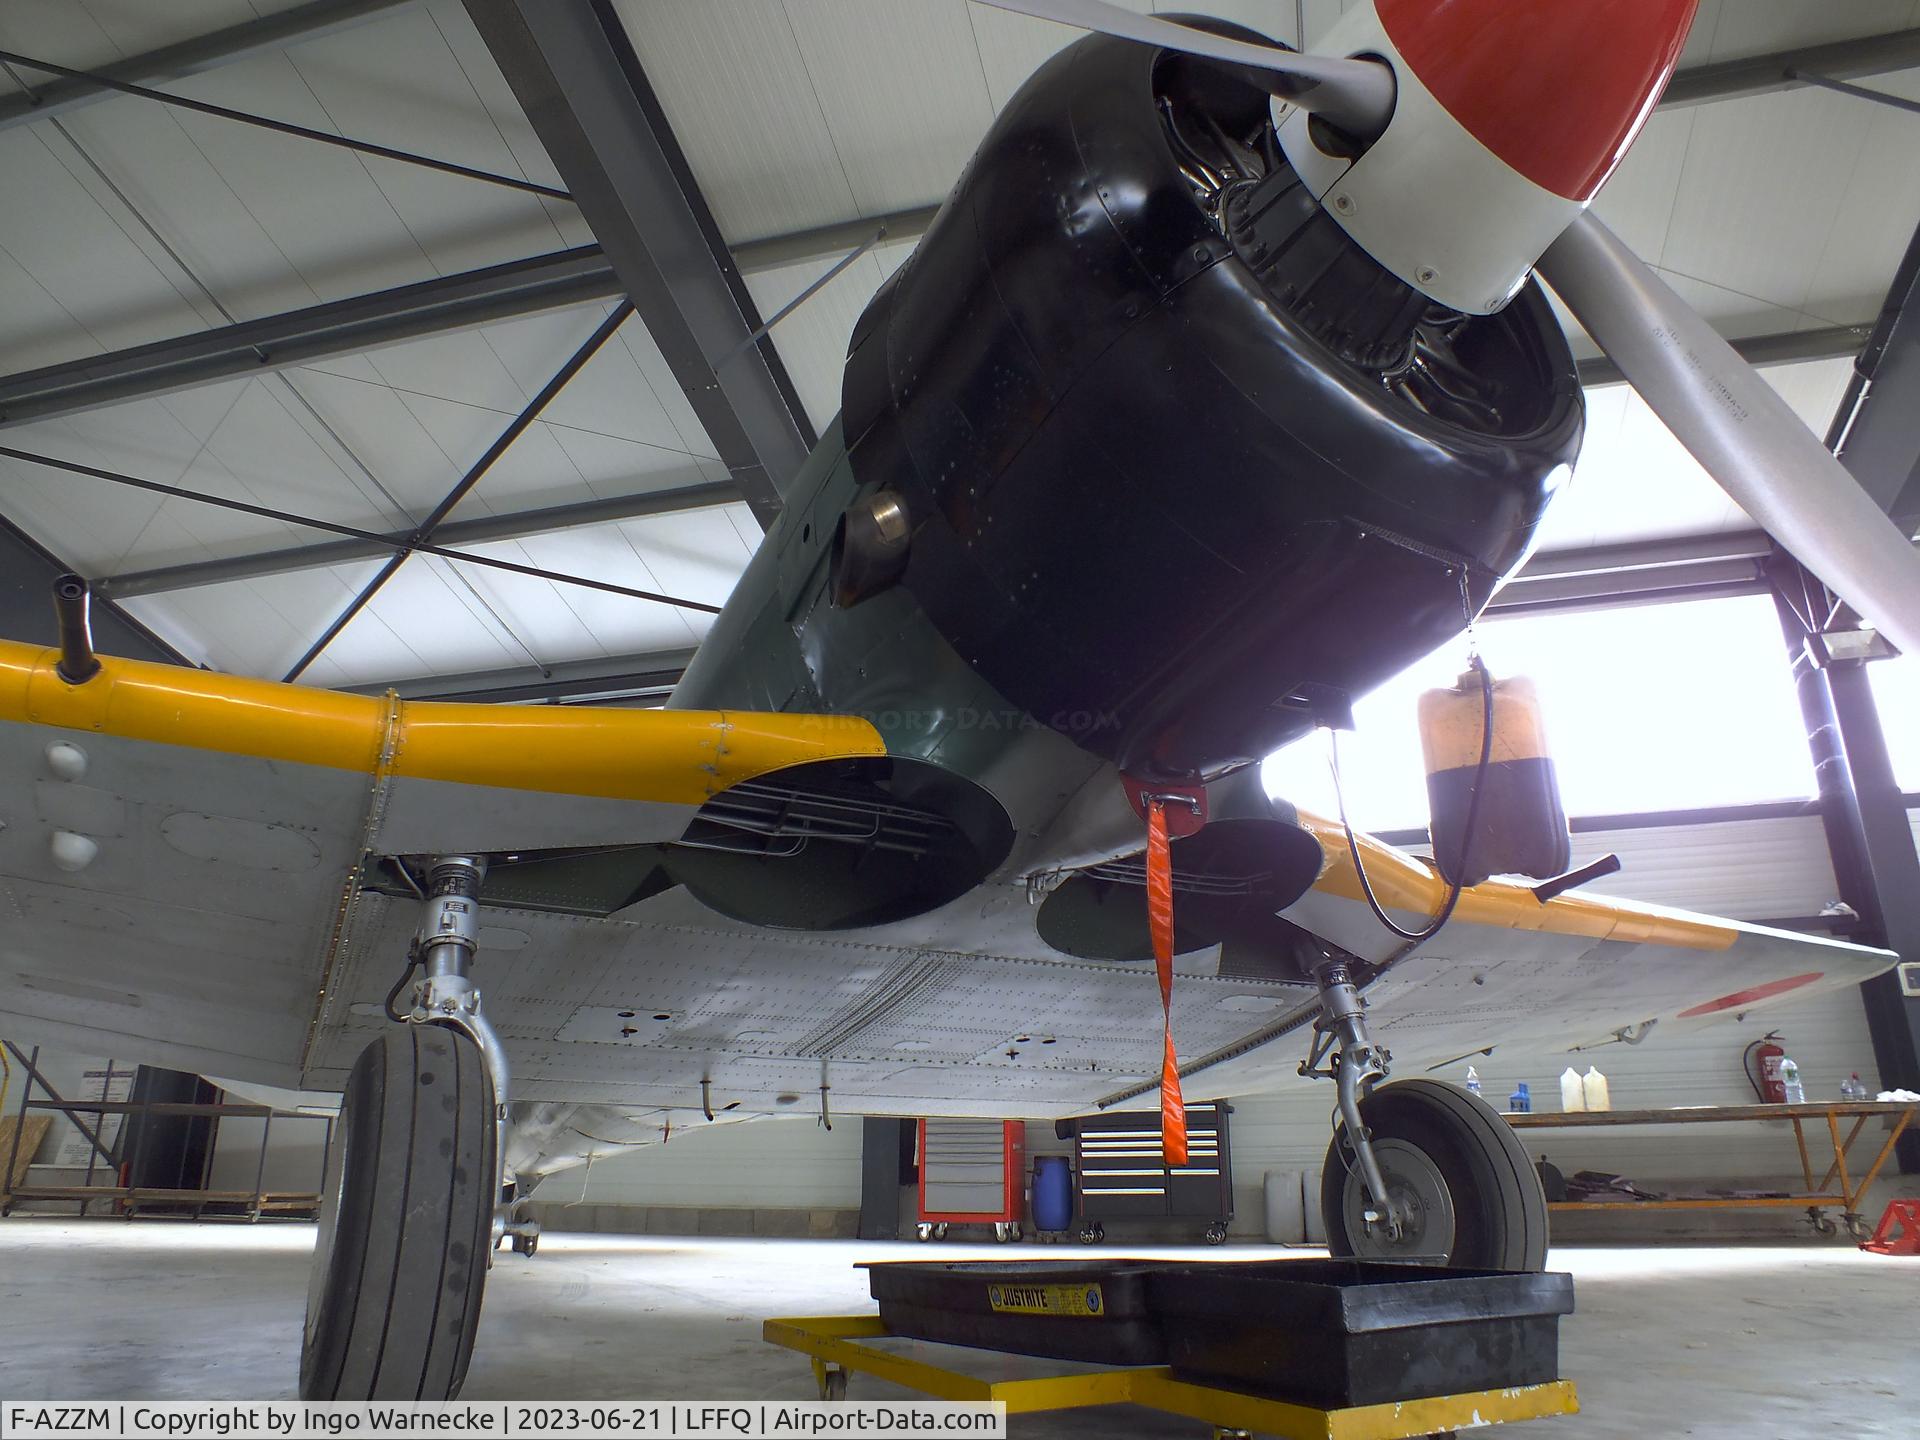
(1165, 482)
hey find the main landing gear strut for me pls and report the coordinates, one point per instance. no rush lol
(1418, 1171)
(407, 1210)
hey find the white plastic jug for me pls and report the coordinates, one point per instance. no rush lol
(1286, 1206)
(1573, 1095)
(1594, 1087)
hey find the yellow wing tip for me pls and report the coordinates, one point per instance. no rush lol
(1402, 882)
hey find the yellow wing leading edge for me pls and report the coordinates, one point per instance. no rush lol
(665, 756)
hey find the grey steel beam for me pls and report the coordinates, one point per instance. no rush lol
(1702, 580)
(300, 337)
(423, 533)
(585, 275)
(1829, 342)
(572, 67)
(649, 673)
(1763, 74)
(797, 247)
(1878, 873)
(265, 34)
(354, 326)
(1876, 430)
(1641, 572)
(1597, 577)
(34, 1077)
(1858, 92)
(1695, 85)
(513, 525)
(1876, 434)
(1633, 555)
(522, 287)
(1869, 836)
(414, 543)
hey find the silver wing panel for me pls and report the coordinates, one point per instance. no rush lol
(210, 932)
(638, 1011)
(1474, 984)
(429, 817)
(201, 932)
(196, 936)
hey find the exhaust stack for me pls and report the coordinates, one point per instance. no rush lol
(71, 602)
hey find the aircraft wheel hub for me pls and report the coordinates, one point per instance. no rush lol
(1418, 1193)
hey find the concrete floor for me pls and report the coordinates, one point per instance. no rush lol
(1749, 1343)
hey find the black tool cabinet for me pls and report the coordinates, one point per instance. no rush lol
(1119, 1173)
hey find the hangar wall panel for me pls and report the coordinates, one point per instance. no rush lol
(1765, 870)
(766, 1164)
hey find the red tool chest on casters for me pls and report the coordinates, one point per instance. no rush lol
(972, 1172)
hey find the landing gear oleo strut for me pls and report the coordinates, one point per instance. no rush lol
(1418, 1170)
(407, 1214)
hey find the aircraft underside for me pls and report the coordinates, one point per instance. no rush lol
(216, 937)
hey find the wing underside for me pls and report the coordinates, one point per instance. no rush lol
(220, 924)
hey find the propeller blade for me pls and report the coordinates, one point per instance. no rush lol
(1355, 95)
(1738, 428)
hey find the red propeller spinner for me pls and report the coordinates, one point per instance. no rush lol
(1558, 91)
(1507, 116)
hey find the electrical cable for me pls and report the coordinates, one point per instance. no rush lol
(1454, 891)
(1478, 666)
(413, 964)
(602, 1140)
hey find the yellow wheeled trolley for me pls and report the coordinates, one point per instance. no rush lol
(842, 1345)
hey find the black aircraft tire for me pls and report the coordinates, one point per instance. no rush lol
(406, 1217)
(1459, 1143)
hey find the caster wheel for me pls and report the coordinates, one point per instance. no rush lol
(923, 1233)
(1216, 1234)
(527, 1245)
(1822, 1225)
(940, 1231)
(1859, 1227)
(406, 1221)
(1454, 1167)
(1092, 1234)
(833, 1386)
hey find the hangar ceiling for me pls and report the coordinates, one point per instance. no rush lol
(808, 127)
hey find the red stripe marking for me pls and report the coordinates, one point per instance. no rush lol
(1741, 998)
(1556, 88)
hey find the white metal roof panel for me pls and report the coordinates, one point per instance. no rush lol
(1778, 213)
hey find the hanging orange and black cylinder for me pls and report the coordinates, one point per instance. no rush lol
(1520, 826)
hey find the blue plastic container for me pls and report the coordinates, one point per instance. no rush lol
(1052, 1193)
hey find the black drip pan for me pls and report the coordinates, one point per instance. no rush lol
(1335, 1333)
(1058, 1309)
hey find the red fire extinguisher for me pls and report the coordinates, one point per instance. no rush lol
(1762, 1062)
